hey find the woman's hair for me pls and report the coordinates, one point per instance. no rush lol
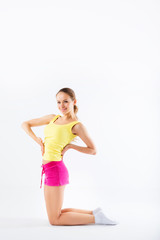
(72, 95)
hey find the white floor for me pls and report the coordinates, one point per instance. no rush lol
(23, 215)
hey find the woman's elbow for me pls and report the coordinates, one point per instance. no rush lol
(23, 124)
(94, 152)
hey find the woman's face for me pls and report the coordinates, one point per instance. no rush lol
(64, 103)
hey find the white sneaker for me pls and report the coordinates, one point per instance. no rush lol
(97, 210)
(101, 218)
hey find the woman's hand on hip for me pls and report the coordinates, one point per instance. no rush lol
(68, 146)
(40, 142)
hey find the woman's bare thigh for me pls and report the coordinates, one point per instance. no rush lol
(54, 196)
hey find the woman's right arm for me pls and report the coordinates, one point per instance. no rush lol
(35, 123)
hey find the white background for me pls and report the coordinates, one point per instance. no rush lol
(108, 52)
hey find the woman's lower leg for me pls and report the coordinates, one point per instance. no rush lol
(74, 218)
(76, 210)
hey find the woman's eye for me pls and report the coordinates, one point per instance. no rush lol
(64, 101)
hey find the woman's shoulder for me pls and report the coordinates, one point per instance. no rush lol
(51, 117)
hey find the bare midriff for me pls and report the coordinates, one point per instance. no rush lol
(45, 161)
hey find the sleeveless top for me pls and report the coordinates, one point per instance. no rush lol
(56, 138)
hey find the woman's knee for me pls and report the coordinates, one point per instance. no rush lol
(54, 220)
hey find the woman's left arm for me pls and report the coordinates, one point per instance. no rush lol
(81, 131)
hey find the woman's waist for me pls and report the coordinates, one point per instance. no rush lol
(50, 155)
(50, 161)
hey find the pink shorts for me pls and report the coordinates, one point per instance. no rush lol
(56, 173)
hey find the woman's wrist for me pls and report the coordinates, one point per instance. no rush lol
(82, 149)
(38, 140)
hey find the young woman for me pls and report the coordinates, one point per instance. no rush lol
(59, 133)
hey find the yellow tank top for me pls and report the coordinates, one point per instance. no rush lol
(56, 138)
